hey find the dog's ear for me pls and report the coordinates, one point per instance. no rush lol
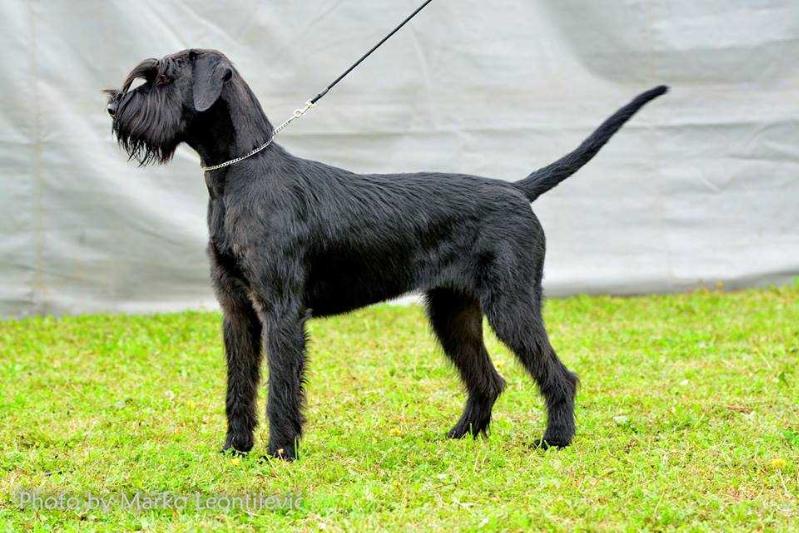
(209, 76)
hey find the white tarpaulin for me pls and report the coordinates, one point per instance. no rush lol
(701, 187)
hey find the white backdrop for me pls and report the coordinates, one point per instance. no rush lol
(701, 187)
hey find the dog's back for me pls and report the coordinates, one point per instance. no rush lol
(374, 237)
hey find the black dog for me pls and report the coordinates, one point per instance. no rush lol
(292, 238)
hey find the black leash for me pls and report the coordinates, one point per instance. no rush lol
(311, 103)
(367, 54)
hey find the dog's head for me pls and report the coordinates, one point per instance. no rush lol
(153, 118)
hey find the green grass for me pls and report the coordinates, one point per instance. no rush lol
(688, 417)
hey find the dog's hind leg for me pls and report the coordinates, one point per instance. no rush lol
(458, 324)
(515, 316)
(241, 329)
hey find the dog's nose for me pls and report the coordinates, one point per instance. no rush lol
(112, 108)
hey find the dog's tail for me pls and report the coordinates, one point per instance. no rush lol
(549, 176)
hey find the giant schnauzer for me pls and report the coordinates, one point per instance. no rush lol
(292, 238)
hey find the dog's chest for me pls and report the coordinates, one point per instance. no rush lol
(219, 235)
(215, 184)
(228, 233)
(218, 214)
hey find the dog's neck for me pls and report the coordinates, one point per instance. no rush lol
(232, 127)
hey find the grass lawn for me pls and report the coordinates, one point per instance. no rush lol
(688, 416)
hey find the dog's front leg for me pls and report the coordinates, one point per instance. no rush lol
(284, 319)
(241, 330)
(285, 341)
(242, 333)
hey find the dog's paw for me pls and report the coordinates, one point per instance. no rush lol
(475, 429)
(233, 452)
(237, 445)
(476, 417)
(553, 441)
(457, 432)
(284, 453)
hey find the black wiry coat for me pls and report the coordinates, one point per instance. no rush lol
(292, 238)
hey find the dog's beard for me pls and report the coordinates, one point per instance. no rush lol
(148, 123)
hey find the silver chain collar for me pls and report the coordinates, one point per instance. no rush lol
(297, 114)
